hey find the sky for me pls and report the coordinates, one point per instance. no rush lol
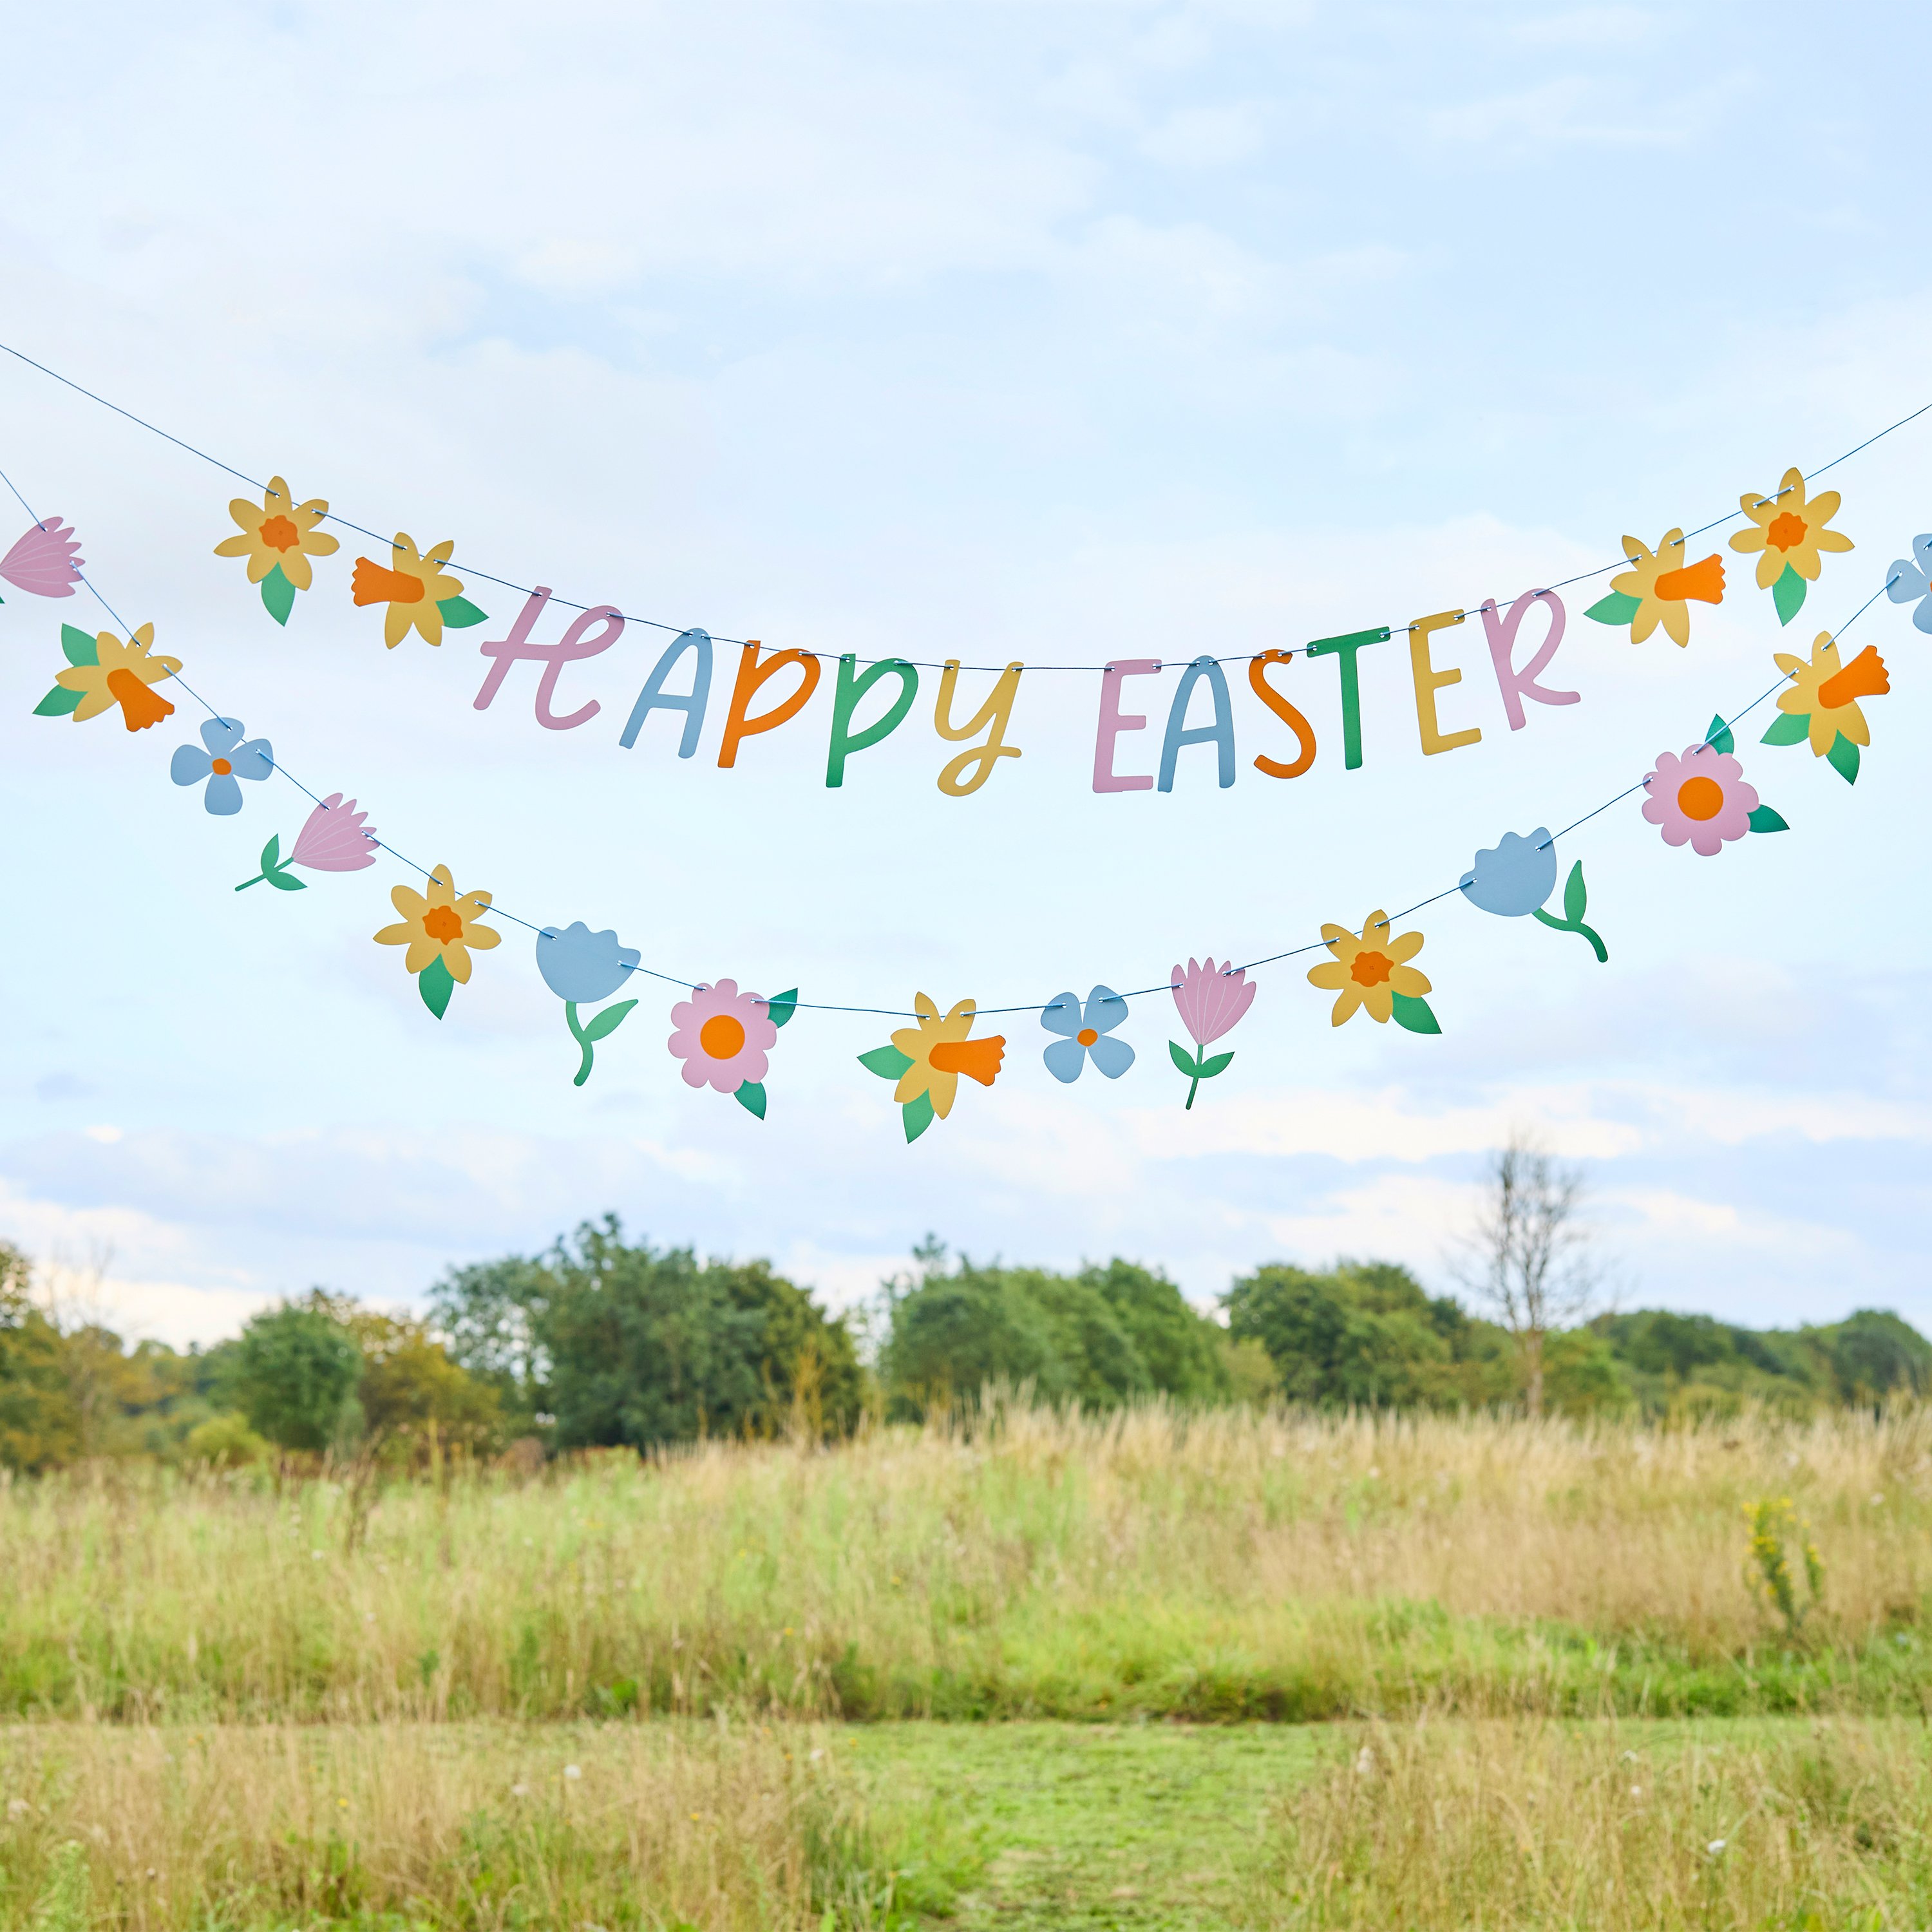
(1061, 331)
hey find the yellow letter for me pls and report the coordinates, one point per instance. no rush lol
(997, 712)
(1429, 681)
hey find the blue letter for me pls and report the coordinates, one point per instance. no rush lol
(1221, 733)
(651, 697)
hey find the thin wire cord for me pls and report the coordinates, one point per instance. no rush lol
(899, 1012)
(919, 663)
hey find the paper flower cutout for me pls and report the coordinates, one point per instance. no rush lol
(581, 967)
(441, 931)
(1210, 1000)
(223, 759)
(1371, 974)
(47, 561)
(103, 672)
(1789, 531)
(1702, 799)
(1514, 876)
(278, 538)
(1087, 1034)
(926, 1060)
(420, 593)
(1821, 703)
(724, 1036)
(332, 840)
(1659, 589)
(1910, 580)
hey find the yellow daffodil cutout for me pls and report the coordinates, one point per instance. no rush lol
(1789, 531)
(278, 538)
(926, 1061)
(1659, 588)
(421, 595)
(441, 932)
(1372, 974)
(103, 672)
(1820, 705)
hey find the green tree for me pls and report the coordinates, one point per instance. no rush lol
(39, 1427)
(295, 1376)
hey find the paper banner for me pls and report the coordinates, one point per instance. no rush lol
(925, 1062)
(421, 595)
(1514, 876)
(1575, 904)
(103, 672)
(278, 537)
(993, 717)
(1821, 704)
(221, 762)
(581, 967)
(1660, 590)
(1370, 974)
(1788, 532)
(46, 561)
(724, 1038)
(1211, 1000)
(441, 931)
(1086, 1034)
(1910, 581)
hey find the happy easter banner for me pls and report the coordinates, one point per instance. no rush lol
(724, 1036)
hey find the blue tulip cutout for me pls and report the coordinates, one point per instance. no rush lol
(1515, 877)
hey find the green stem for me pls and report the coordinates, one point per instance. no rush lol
(577, 1034)
(256, 881)
(1193, 1090)
(1581, 931)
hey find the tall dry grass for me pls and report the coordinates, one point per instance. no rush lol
(651, 1826)
(1511, 1827)
(1227, 1564)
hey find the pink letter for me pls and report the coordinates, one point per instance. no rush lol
(1517, 685)
(575, 643)
(1112, 723)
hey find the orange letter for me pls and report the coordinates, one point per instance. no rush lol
(751, 675)
(1258, 682)
(1429, 681)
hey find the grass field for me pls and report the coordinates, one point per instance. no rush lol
(669, 1695)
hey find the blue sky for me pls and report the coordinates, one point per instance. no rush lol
(1059, 332)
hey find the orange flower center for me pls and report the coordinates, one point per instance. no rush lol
(1786, 531)
(278, 533)
(1371, 969)
(140, 706)
(977, 1059)
(1865, 676)
(442, 924)
(371, 584)
(1086, 1036)
(222, 768)
(722, 1035)
(1700, 798)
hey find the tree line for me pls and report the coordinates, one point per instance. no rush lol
(601, 1342)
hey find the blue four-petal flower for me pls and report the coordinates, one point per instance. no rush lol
(1910, 580)
(1088, 1034)
(226, 759)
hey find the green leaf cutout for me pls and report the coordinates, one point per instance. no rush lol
(780, 1006)
(1414, 1014)
(1719, 738)
(59, 703)
(1619, 607)
(1788, 594)
(274, 871)
(283, 881)
(887, 1062)
(1765, 819)
(1183, 1060)
(78, 647)
(751, 1097)
(1576, 895)
(1788, 728)
(272, 853)
(435, 986)
(1219, 1064)
(918, 1117)
(1843, 758)
(609, 1020)
(459, 613)
(278, 595)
